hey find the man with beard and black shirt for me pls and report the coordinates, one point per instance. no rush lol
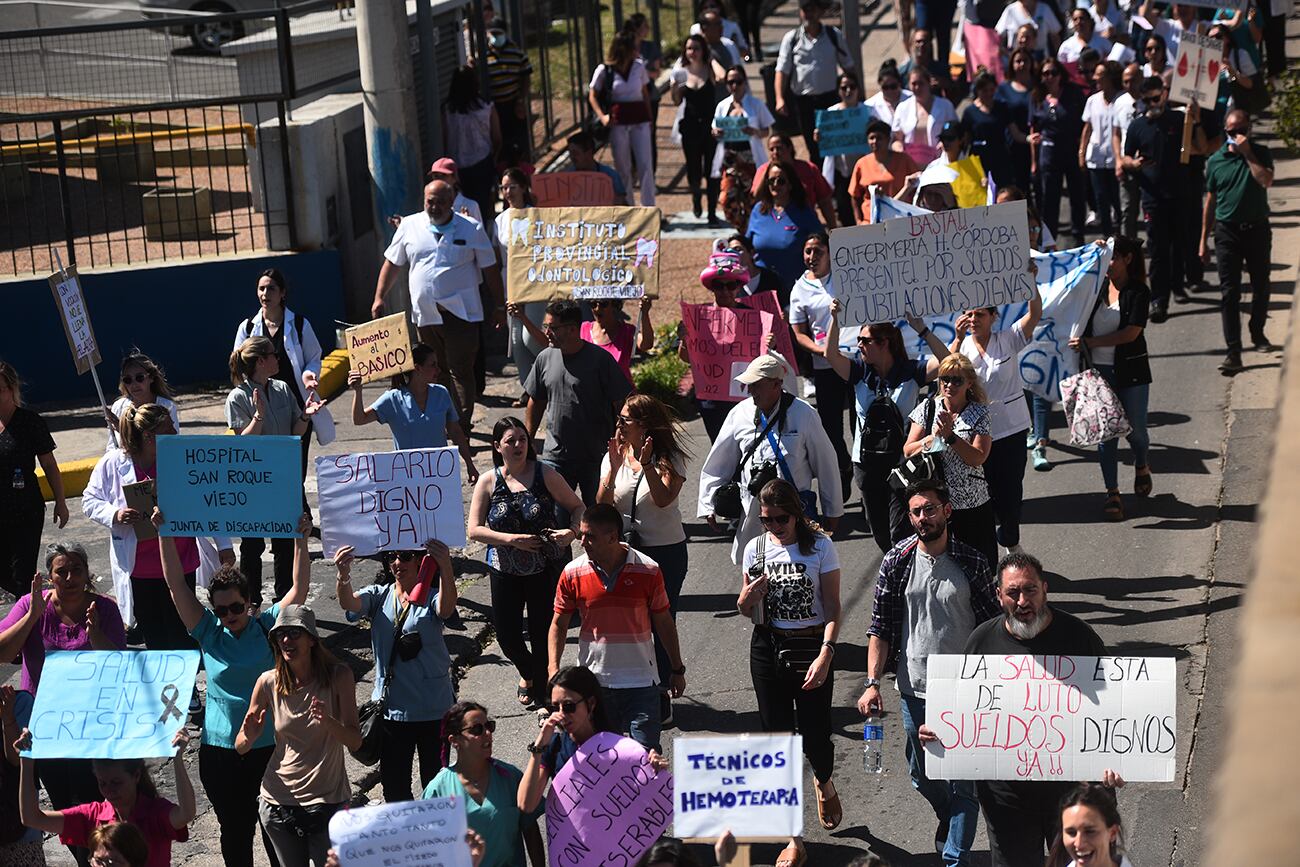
(1023, 817)
(931, 592)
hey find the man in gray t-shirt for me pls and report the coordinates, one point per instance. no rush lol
(579, 389)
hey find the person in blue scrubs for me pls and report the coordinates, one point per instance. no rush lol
(417, 410)
(780, 223)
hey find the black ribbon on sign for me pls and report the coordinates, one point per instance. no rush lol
(168, 697)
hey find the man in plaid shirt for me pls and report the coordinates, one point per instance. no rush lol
(933, 590)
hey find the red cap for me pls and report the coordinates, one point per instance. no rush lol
(444, 166)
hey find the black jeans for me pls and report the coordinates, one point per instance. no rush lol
(975, 527)
(250, 563)
(785, 706)
(510, 595)
(20, 547)
(832, 397)
(232, 783)
(1105, 186)
(1162, 240)
(1252, 244)
(69, 782)
(749, 14)
(1022, 819)
(699, 146)
(714, 416)
(885, 509)
(401, 742)
(1050, 179)
(843, 201)
(1191, 206)
(1005, 472)
(672, 560)
(155, 613)
(579, 474)
(807, 106)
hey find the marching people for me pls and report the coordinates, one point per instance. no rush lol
(310, 701)
(262, 405)
(734, 163)
(771, 434)
(24, 441)
(619, 95)
(642, 475)
(617, 620)
(1096, 153)
(810, 58)
(694, 89)
(781, 221)
(142, 382)
(471, 131)
(1115, 344)
(1012, 97)
(1127, 105)
(236, 651)
(932, 591)
(891, 94)
(790, 587)
(417, 409)
(513, 512)
(412, 665)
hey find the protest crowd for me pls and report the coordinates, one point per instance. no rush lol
(1032, 107)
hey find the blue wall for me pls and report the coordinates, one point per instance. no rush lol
(182, 316)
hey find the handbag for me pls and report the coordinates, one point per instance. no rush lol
(371, 714)
(807, 499)
(922, 465)
(794, 653)
(605, 98)
(1092, 408)
(631, 536)
(726, 499)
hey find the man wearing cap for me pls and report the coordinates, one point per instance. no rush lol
(445, 170)
(808, 66)
(794, 447)
(448, 255)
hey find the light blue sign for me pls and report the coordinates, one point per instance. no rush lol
(733, 127)
(111, 704)
(230, 485)
(843, 130)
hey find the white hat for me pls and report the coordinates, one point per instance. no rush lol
(766, 366)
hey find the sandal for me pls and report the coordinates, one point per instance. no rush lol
(519, 403)
(1142, 481)
(525, 695)
(829, 810)
(1114, 508)
(791, 856)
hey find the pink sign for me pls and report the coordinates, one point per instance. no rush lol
(722, 341)
(607, 805)
(573, 189)
(768, 301)
(981, 50)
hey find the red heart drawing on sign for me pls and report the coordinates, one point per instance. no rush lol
(1182, 65)
(1213, 69)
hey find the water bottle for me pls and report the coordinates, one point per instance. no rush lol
(20, 482)
(873, 740)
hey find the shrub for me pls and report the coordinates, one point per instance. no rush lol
(1286, 109)
(661, 373)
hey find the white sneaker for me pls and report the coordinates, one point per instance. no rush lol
(809, 390)
(1092, 221)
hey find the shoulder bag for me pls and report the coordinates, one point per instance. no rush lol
(631, 536)
(1092, 409)
(922, 465)
(371, 714)
(726, 499)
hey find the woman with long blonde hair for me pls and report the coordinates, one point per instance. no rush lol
(955, 423)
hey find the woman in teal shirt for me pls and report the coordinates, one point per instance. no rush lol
(236, 651)
(418, 410)
(488, 788)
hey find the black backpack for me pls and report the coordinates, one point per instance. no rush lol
(883, 433)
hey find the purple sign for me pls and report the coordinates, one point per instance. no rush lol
(607, 805)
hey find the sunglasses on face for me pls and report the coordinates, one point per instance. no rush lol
(776, 182)
(624, 420)
(846, 88)
(1237, 131)
(1050, 73)
(568, 708)
(235, 608)
(893, 85)
(477, 729)
(774, 520)
(735, 82)
(404, 556)
(868, 341)
(953, 380)
(127, 379)
(293, 633)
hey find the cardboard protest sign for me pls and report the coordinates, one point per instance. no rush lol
(111, 704)
(931, 264)
(573, 189)
(1050, 717)
(66, 286)
(722, 341)
(583, 253)
(752, 784)
(390, 501)
(607, 805)
(843, 130)
(230, 486)
(142, 496)
(380, 348)
(1196, 71)
(407, 832)
(733, 128)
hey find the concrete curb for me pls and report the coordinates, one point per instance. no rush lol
(76, 474)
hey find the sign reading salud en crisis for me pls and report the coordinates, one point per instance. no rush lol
(408, 832)
(230, 485)
(607, 805)
(111, 704)
(381, 348)
(1050, 717)
(843, 130)
(390, 501)
(750, 784)
(931, 264)
(583, 253)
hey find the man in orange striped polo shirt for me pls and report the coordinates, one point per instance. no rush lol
(620, 593)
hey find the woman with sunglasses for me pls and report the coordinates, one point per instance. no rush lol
(1056, 124)
(513, 512)
(693, 86)
(781, 222)
(790, 587)
(734, 163)
(412, 665)
(310, 700)
(958, 429)
(142, 382)
(614, 334)
(236, 652)
(917, 121)
(489, 788)
(838, 168)
(885, 101)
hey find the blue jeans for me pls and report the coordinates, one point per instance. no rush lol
(1134, 399)
(952, 800)
(635, 713)
(1042, 408)
(672, 560)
